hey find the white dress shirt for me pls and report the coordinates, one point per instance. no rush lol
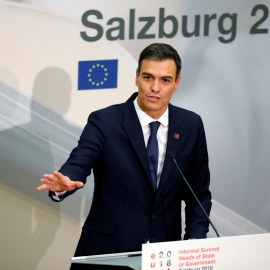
(162, 134)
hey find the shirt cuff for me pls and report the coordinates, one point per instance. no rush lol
(56, 195)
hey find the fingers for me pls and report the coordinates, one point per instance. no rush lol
(42, 187)
(53, 177)
(49, 181)
(46, 180)
(58, 182)
(58, 175)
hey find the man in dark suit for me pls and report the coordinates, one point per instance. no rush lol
(137, 198)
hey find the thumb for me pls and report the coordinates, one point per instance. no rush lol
(79, 184)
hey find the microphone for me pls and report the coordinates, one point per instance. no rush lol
(172, 157)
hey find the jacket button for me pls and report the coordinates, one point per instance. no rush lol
(152, 216)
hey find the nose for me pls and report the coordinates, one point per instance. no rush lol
(155, 86)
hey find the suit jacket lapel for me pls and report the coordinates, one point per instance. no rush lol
(132, 126)
(175, 133)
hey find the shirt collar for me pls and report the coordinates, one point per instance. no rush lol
(145, 119)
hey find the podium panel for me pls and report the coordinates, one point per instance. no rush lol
(238, 253)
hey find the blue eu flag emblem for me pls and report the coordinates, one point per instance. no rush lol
(97, 74)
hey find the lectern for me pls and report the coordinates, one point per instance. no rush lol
(247, 252)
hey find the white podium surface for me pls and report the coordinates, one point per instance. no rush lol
(237, 253)
(130, 259)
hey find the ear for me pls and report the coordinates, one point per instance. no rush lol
(177, 83)
(137, 76)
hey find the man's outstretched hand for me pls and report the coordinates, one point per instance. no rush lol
(58, 182)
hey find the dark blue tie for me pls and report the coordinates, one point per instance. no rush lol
(152, 152)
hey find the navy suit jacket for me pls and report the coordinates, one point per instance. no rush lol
(125, 211)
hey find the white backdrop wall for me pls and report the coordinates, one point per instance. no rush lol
(225, 51)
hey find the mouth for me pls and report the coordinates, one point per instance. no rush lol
(154, 98)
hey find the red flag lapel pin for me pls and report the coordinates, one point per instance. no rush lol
(176, 136)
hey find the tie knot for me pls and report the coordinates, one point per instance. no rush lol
(154, 127)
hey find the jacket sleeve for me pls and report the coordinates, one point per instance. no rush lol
(85, 156)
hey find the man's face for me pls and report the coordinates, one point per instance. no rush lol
(156, 84)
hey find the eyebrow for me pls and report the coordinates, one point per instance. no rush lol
(163, 77)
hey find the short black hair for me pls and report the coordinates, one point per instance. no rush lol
(160, 52)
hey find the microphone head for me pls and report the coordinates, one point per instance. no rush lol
(171, 155)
